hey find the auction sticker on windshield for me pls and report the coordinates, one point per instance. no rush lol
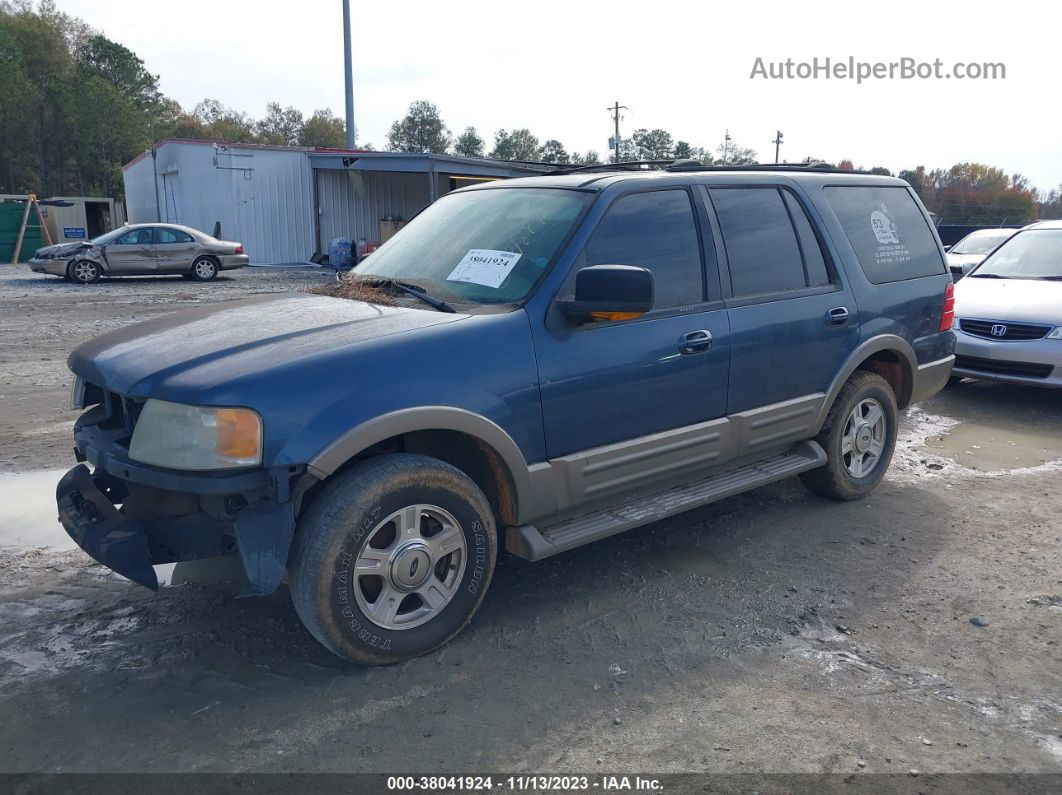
(484, 266)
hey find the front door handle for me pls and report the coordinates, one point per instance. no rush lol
(837, 316)
(696, 341)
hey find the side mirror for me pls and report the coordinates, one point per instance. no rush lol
(610, 292)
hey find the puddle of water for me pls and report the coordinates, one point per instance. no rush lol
(28, 513)
(989, 447)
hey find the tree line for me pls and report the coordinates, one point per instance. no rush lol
(75, 106)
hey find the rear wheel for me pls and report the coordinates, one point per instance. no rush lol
(204, 269)
(393, 558)
(859, 437)
(84, 271)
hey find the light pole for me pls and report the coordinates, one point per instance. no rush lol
(726, 144)
(616, 119)
(349, 74)
(777, 143)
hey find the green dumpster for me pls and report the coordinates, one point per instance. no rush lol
(10, 219)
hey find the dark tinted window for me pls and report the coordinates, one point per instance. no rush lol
(172, 236)
(656, 231)
(760, 241)
(891, 237)
(138, 237)
(814, 262)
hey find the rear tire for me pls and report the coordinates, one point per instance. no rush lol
(859, 437)
(204, 269)
(84, 271)
(392, 558)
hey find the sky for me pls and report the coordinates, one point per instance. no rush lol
(686, 67)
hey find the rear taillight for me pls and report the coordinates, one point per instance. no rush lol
(239, 248)
(947, 315)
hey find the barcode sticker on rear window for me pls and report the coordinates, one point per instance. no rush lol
(484, 266)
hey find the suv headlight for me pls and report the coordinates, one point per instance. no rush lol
(1056, 334)
(178, 436)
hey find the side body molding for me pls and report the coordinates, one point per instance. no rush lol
(427, 418)
(882, 342)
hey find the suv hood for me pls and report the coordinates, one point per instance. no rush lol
(1017, 300)
(208, 345)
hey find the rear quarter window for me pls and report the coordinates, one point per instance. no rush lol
(888, 231)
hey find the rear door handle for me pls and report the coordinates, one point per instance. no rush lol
(696, 341)
(837, 316)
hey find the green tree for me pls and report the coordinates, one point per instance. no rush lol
(653, 145)
(323, 129)
(280, 126)
(517, 145)
(421, 130)
(469, 144)
(553, 151)
(224, 123)
(733, 154)
(120, 67)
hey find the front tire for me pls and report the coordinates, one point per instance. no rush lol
(859, 437)
(204, 269)
(392, 558)
(84, 271)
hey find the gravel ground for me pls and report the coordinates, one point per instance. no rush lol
(915, 632)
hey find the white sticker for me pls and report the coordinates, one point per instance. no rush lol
(484, 266)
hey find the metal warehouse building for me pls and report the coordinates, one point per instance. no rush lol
(284, 203)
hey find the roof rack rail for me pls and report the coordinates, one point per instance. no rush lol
(816, 166)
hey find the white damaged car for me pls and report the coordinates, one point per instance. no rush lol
(1008, 311)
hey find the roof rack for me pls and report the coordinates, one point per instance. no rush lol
(816, 166)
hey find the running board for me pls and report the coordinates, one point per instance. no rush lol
(530, 543)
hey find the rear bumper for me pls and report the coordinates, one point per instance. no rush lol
(232, 261)
(930, 378)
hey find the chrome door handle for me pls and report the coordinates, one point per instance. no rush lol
(696, 341)
(837, 316)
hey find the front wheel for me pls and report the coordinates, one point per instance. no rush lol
(393, 558)
(204, 269)
(859, 437)
(84, 271)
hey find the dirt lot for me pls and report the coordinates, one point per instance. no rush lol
(775, 631)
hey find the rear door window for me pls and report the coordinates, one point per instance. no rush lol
(654, 230)
(888, 231)
(172, 236)
(761, 243)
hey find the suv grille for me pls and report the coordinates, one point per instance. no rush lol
(1001, 367)
(1011, 331)
(121, 412)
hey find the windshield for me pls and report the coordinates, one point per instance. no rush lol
(485, 246)
(981, 243)
(108, 236)
(1032, 254)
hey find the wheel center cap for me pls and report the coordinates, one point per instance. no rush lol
(863, 437)
(410, 566)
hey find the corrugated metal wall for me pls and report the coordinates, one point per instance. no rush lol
(353, 202)
(262, 197)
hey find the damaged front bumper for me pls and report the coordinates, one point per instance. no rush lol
(130, 516)
(99, 528)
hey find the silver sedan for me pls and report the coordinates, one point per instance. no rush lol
(141, 250)
(1008, 311)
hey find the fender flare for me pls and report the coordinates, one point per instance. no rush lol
(867, 348)
(426, 418)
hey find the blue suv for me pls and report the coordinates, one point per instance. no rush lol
(537, 363)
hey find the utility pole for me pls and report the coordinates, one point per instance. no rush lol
(616, 120)
(726, 144)
(777, 143)
(349, 74)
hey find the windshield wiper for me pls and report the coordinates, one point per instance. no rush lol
(1050, 278)
(986, 276)
(410, 289)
